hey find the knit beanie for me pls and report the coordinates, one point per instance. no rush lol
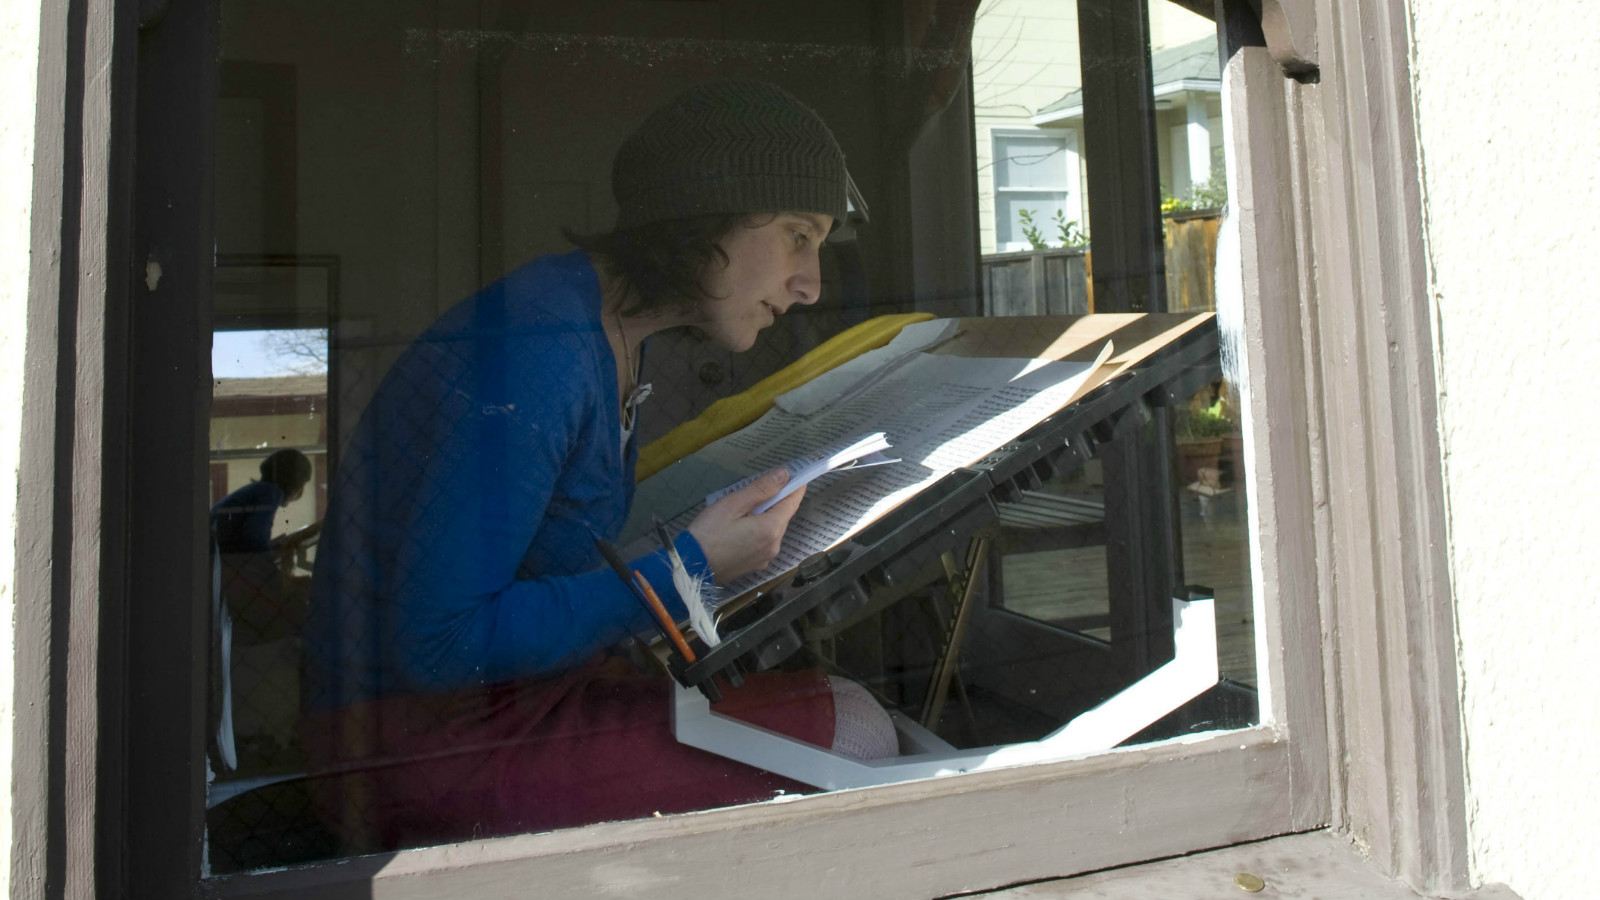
(728, 147)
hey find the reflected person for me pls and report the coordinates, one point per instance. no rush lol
(242, 521)
(265, 605)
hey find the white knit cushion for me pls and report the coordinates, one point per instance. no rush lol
(861, 728)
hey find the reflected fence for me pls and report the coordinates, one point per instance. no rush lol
(1060, 280)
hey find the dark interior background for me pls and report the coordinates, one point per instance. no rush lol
(433, 146)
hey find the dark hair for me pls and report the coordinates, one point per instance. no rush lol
(288, 469)
(662, 265)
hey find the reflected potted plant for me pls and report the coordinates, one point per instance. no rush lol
(1200, 430)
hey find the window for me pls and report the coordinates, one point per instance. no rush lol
(1068, 785)
(1035, 175)
(338, 687)
(448, 546)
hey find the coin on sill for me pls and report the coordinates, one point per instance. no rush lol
(1249, 882)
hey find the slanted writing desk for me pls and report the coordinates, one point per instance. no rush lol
(1004, 501)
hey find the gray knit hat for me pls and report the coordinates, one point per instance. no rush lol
(728, 147)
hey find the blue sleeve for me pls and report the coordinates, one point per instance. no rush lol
(469, 620)
(465, 611)
(243, 520)
(550, 623)
(258, 521)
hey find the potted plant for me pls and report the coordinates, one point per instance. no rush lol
(1200, 429)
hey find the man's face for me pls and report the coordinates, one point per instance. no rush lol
(772, 265)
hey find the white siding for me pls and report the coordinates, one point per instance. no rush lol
(1025, 57)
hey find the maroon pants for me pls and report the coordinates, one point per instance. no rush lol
(590, 746)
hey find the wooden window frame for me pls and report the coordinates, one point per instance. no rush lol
(1356, 634)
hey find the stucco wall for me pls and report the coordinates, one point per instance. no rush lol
(19, 60)
(1509, 127)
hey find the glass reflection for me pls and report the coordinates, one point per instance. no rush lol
(424, 306)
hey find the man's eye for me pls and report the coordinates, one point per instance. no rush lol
(801, 238)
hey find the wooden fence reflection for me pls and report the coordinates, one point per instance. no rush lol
(1059, 280)
(1191, 254)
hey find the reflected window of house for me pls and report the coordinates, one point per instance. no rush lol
(1037, 201)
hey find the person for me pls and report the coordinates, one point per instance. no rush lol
(264, 604)
(462, 679)
(266, 610)
(242, 521)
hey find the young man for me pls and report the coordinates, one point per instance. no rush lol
(456, 654)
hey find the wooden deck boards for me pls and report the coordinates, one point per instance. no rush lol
(1053, 585)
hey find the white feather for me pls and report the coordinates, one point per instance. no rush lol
(692, 588)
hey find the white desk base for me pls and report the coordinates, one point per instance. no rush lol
(1192, 671)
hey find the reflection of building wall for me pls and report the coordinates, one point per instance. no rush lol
(253, 417)
(1188, 140)
(1024, 57)
(1024, 60)
(243, 431)
(1186, 113)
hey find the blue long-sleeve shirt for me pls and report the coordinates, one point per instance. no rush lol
(242, 521)
(458, 547)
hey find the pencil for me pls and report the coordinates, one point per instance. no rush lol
(666, 542)
(609, 554)
(646, 596)
(666, 620)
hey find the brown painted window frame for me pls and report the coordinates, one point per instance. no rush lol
(109, 722)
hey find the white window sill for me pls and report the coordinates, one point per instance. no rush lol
(1321, 864)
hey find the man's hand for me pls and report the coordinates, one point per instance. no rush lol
(737, 543)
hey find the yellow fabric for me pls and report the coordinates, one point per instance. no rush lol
(733, 413)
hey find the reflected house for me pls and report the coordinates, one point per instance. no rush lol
(1187, 86)
(1033, 185)
(1028, 114)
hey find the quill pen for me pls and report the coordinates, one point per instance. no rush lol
(691, 588)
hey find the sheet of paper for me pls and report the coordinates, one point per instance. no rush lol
(853, 453)
(824, 389)
(938, 412)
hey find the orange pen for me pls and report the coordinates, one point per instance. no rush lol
(666, 620)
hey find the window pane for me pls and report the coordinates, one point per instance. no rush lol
(1030, 162)
(499, 285)
(1028, 219)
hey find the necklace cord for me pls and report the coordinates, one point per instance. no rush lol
(631, 390)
